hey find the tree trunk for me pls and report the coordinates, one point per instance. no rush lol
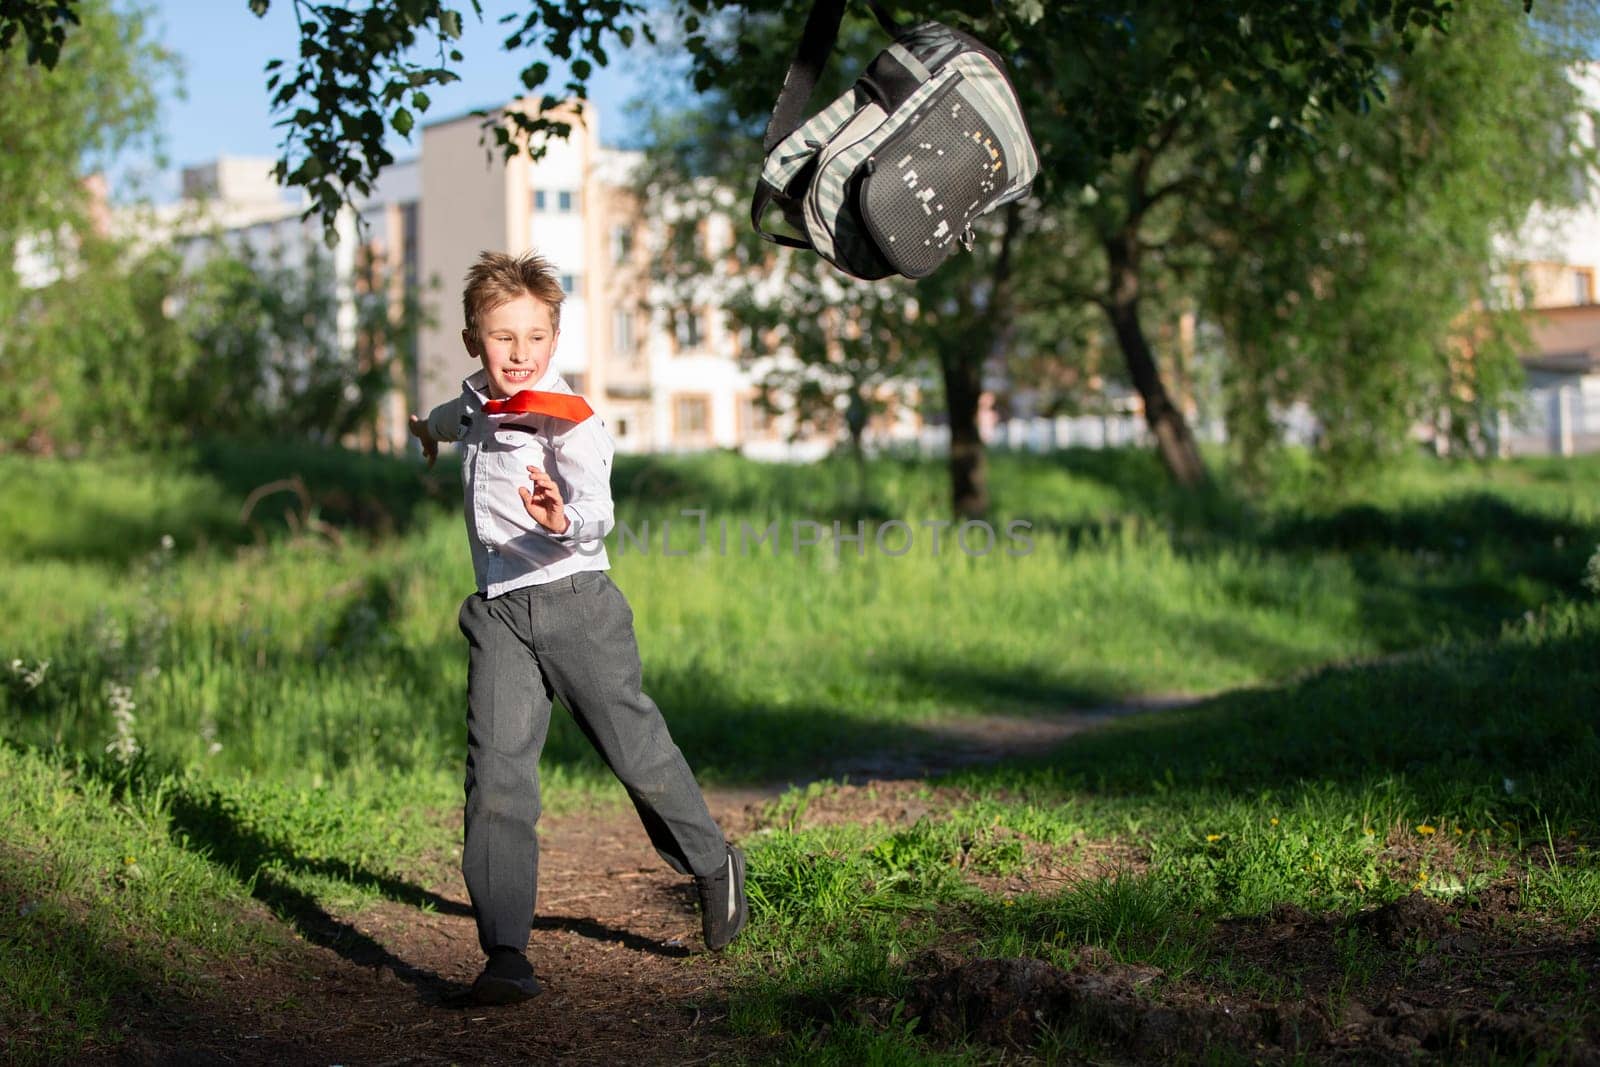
(855, 421)
(989, 335)
(1175, 441)
(969, 474)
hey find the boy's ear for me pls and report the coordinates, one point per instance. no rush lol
(470, 340)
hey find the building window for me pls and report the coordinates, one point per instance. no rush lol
(566, 202)
(691, 416)
(1583, 287)
(621, 243)
(571, 284)
(622, 332)
(756, 420)
(622, 427)
(577, 379)
(686, 325)
(539, 200)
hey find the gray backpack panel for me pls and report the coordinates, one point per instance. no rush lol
(889, 176)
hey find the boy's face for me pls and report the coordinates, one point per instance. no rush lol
(515, 342)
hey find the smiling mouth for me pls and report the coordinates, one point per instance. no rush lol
(517, 375)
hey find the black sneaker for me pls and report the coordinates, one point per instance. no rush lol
(506, 979)
(723, 908)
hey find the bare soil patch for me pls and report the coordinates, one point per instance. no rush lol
(616, 945)
(1412, 981)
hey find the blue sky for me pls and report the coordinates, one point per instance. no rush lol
(225, 107)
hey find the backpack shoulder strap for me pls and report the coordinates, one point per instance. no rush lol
(816, 44)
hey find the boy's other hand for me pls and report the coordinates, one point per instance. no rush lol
(544, 502)
(419, 430)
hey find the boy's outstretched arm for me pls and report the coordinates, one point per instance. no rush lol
(419, 430)
(442, 424)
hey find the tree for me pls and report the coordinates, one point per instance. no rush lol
(1354, 276)
(1109, 85)
(67, 293)
(268, 355)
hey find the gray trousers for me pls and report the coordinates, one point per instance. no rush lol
(572, 638)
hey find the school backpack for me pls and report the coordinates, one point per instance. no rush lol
(887, 178)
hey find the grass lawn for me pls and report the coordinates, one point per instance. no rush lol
(222, 729)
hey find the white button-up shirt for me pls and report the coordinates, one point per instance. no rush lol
(509, 548)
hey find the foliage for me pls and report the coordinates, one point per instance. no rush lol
(135, 349)
(1128, 65)
(1351, 276)
(95, 361)
(60, 125)
(271, 357)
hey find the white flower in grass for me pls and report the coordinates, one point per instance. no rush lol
(32, 677)
(123, 745)
(208, 734)
(1591, 574)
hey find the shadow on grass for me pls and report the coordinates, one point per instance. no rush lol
(71, 981)
(1448, 727)
(206, 824)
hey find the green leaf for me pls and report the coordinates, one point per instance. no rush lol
(401, 122)
(450, 24)
(534, 75)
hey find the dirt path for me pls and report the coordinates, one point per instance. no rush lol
(616, 945)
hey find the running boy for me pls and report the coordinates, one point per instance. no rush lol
(548, 621)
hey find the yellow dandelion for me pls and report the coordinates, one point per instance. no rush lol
(1367, 830)
(1458, 829)
(1424, 829)
(1213, 837)
(1274, 821)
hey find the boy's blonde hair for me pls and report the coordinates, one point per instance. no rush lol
(498, 277)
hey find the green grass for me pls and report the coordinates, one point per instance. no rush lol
(1415, 652)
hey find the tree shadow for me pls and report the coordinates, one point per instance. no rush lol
(1449, 725)
(103, 986)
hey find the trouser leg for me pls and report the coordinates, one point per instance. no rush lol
(508, 716)
(598, 678)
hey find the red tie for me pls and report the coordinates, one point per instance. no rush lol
(566, 406)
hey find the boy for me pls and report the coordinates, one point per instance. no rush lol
(547, 620)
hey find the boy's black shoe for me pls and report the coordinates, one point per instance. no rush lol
(506, 979)
(723, 908)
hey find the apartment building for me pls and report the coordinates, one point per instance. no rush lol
(664, 375)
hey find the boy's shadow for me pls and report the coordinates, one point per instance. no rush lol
(595, 930)
(203, 824)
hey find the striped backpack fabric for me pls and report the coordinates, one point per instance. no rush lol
(888, 178)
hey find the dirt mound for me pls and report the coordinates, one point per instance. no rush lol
(1010, 1001)
(1408, 921)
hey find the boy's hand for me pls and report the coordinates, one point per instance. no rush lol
(544, 502)
(419, 430)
